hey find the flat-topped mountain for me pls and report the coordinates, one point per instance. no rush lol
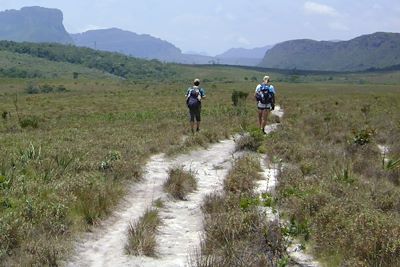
(378, 50)
(33, 24)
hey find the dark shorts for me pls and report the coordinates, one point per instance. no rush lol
(195, 114)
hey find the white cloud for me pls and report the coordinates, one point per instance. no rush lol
(320, 9)
(338, 26)
(243, 41)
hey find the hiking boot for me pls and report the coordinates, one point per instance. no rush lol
(263, 130)
(197, 130)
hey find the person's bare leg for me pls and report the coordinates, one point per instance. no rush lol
(260, 112)
(265, 114)
(192, 126)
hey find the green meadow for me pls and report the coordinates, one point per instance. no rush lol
(72, 137)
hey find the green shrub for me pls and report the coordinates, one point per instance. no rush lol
(29, 121)
(32, 89)
(251, 141)
(363, 136)
(46, 89)
(239, 97)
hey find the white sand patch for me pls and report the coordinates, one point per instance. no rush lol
(296, 253)
(278, 111)
(384, 153)
(384, 149)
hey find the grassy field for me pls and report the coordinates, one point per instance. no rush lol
(340, 194)
(66, 156)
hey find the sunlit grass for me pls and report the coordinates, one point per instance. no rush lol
(236, 232)
(336, 191)
(73, 182)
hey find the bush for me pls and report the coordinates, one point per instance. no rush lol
(45, 89)
(251, 141)
(238, 97)
(30, 121)
(32, 89)
(363, 136)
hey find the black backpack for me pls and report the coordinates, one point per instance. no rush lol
(193, 99)
(265, 95)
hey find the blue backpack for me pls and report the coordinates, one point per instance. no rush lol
(193, 100)
(265, 95)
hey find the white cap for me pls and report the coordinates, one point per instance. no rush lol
(266, 78)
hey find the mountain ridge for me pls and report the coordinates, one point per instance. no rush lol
(380, 50)
(377, 50)
(127, 42)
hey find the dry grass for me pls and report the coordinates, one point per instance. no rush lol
(142, 235)
(87, 144)
(337, 193)
(241, 179)
(73, 183)
(236, 231)
(180, 183)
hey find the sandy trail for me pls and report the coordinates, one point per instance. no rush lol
(182, 220)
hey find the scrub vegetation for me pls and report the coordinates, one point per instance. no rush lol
(71, 141)
(339, 192)
(237, 232)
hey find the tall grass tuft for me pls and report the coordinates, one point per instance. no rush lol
(180, 183)
(142, 234)
(95, 198)
(241, 179)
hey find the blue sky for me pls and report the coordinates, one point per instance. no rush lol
(213, 26)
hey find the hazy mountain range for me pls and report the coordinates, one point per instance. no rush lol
(378, 50)
(38, 24)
